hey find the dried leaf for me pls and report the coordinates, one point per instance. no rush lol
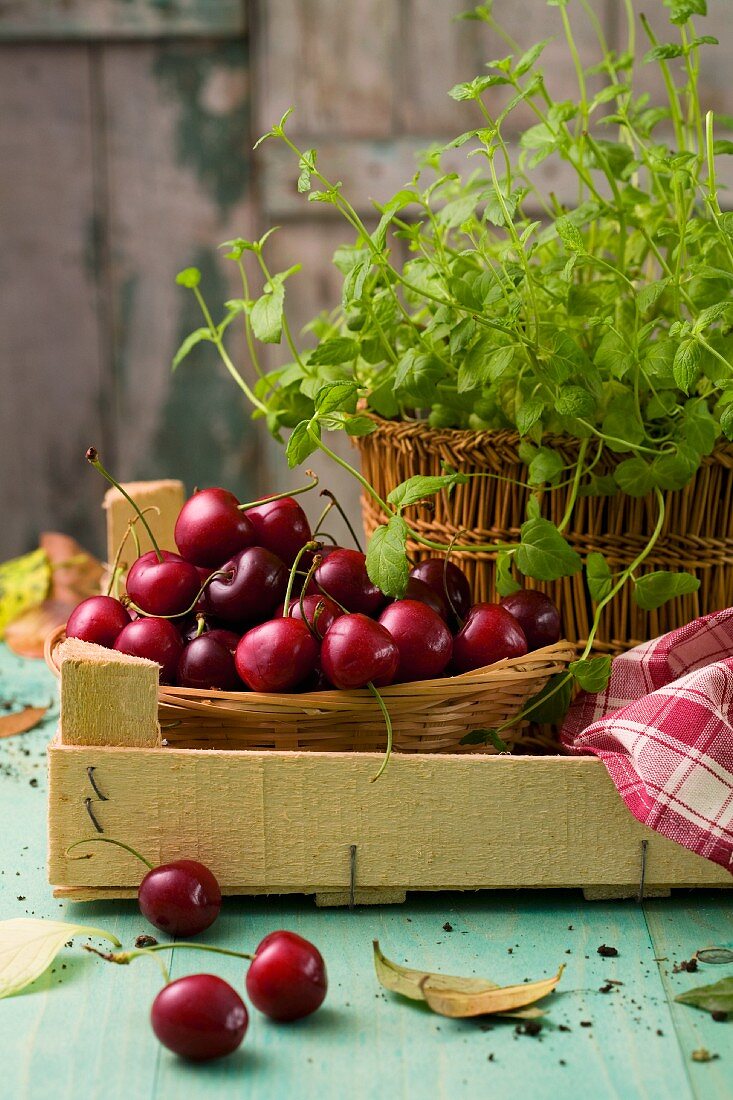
(21, 721)
(24, 582)
(714, 955)
(717, 997)
(459, 1004)
(28, 946)
(411, 983)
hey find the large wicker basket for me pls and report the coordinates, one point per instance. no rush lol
(697, 535)
(429, 716)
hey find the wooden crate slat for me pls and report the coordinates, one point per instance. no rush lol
(90, 19)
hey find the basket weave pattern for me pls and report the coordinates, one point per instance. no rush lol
(697, 535)
(428, 716)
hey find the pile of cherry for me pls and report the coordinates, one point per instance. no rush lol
(213, 615)
(201, 1016)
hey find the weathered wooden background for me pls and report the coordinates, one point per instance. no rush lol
(126, 134)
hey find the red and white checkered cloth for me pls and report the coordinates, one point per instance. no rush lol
(664, 729)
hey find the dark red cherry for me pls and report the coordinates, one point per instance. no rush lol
(276, 655)
(447, 580)
(181, 898)
(280, 526)
(422, 638)
(210, 528)
(537, 615)
(255, 584)
(320, 611)
(199, 1017)
(419, 590)
(343, 576)
(167, 587)
(207, 663)
(490, 633)
(98, 619)
(357, 650)
(156, 639)
(287, 977)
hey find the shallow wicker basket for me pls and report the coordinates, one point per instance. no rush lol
(428, 716)
(697, 535)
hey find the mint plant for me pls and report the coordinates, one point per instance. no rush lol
(608, 320)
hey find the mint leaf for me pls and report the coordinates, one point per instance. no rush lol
(551, 704)
(529, 414)
(386, 559)
(189, 277)
(485, 737)
(654, 589)
(336, 395)
(726, 422)
(301, 443)
(189, 343)
(682, 10)
(504, 582)
(575, 401)
(360, 425)
(543, 553)
(483, 364)
(591, 673)
(546, 466)
(635, 477)
(686, 365)
(307, 165)
(417, 488)
(569, 234)
(598, 575)
(332, 353)
(266, 315)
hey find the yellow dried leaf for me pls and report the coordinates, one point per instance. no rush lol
(24, 583)
(458, 1003)
(28, 946)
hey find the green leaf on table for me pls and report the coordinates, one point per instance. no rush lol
(543, 553)
(591, 673)
(336, 395)
(717, 997)
(189, 344)
(28, 947)
(598, 575)
(386, 559)
(505, 583)
(302, 442)
(420, 486)
(267, 313)
(654, 589)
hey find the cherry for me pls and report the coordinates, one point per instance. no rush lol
(255, 585)
(356, 651)
(281, 526)
(343, 576)
(320, 612)
(419, 590)
(447, 580)
(208, 662)
(199, 1017)
(422, 638)
(490, 633)
(287, 977)
(537, 615)
(97, 619)
(167, 587)
(276, 655)
(156, 639)
(181, 898)
(211, 528)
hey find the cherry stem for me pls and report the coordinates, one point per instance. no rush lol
(282, 496)
(388, 723)
(93, 459)
(130, 531)
(198, 947)
(107, 840)
(188, 610)
(200, 624)
(322, 517)
(293, 570)
(344, 517)
(311, 626)
(448, 552)
(123, 958)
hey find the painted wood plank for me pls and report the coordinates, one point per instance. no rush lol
(53, 383)
(332, 61)
(678, 930)
(91, 19)
(178, 183)
(466, 822)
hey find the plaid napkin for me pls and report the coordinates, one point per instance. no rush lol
(664, 729)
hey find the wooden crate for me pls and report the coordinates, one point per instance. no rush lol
(315, 823)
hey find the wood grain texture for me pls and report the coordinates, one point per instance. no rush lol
(282, 822)
(164, 497)
(90, 19)
(107, 698)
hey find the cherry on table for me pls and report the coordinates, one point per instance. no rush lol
(489, 634)
(98, 619)
(424, 641)
(199, 1017)
(447, 580)
(211, 528)
(208, 662)
(181, 898)
(356, 651)
(287, 978)
(277, 655)
(253, 583)
(537, 615)
(157, 640)
(281, 526)
(343, 576)
(167, 587)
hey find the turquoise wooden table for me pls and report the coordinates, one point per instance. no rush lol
(82, 1029)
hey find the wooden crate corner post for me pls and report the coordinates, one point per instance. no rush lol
(163, 501)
